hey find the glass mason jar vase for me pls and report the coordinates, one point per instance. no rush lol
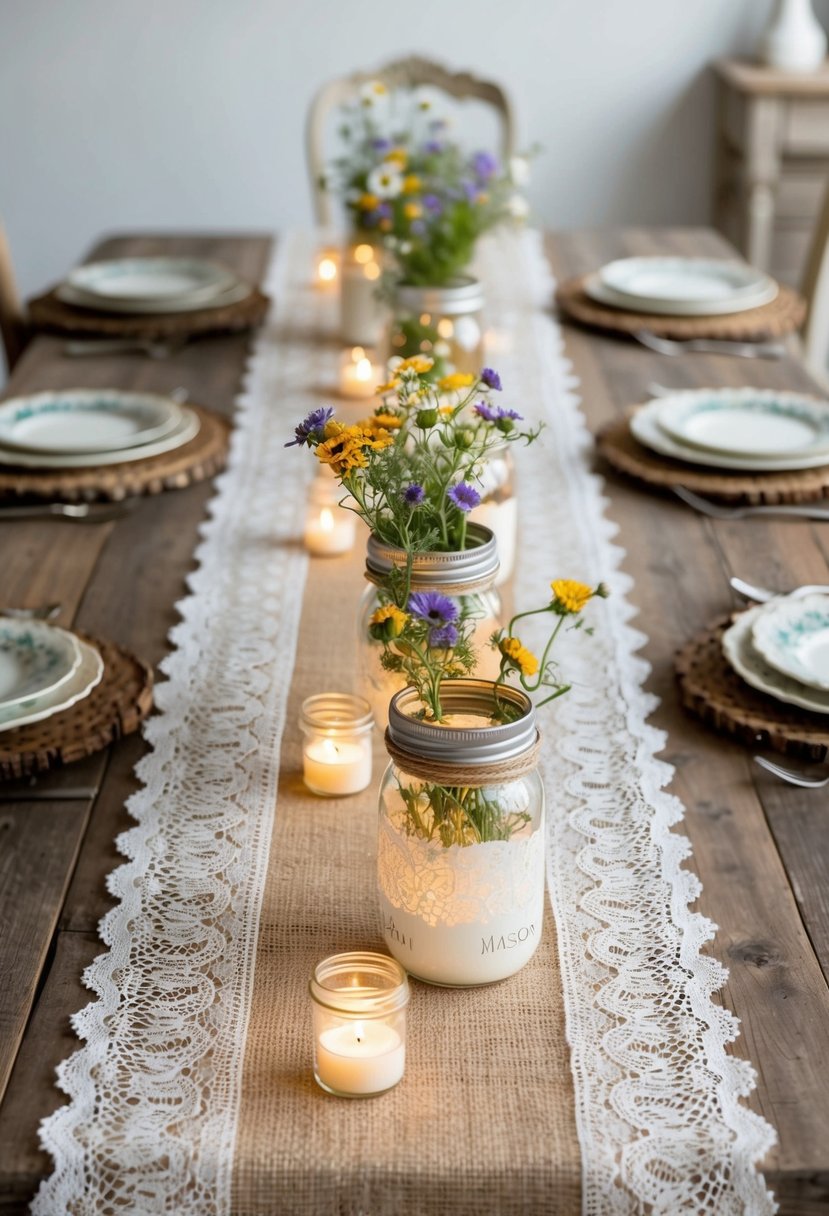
(443, 322)
(362, 315)
(467, 578)
(460, 854)
(498, 508)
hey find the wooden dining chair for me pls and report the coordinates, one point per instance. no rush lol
(400, 74)
(815, 288)
(13, 329)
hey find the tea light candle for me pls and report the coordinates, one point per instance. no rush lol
(361, 313)
(328, 267)
(329, 528)
(359, 1005)
(336, 754)
(358, 375)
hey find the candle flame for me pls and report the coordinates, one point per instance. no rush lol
(330, 750)
(327, 269)
(357, 353)
(371, 271)
(363, 254)
(363, 369)
(359, 1031)
(326, 520)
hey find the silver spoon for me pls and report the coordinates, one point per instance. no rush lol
(792, 776)
(717, 510)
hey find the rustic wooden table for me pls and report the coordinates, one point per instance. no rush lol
(760, 847)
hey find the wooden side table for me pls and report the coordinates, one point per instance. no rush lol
(772, 162)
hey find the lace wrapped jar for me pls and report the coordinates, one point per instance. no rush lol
(498, 509)
(467, 578)
(444, 322)
(460, 855)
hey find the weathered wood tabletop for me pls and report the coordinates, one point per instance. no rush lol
(760, 848)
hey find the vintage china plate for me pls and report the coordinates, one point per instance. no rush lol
(793, 636)
(646, 428)
(35, 658)
(151, 280)
(85, 420)
(684, 286)
(239, 290)
(739, 650)
(747, 422)
(84, 678)
(186, 429)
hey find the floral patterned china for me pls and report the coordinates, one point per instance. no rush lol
(83, 679)
(673, 286)
(85, 420)
(741, 653)
(185, 429)
(793, 636)
(35, 658)
(747, 422)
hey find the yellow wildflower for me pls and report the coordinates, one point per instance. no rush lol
(412, 211)
(399, 157)
(391, 387)
(411, 183)
(382, 421)
(519, 656)
(416, 363)
(570, 595)
(368, 201)
(346, 447)
(388, 622)
(455, 380)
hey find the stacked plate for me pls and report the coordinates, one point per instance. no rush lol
(782, 648)
(680, 287)
(152, 285)
(744, 430)
(83, 428)
(43, 670)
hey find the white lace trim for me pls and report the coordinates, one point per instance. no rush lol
(660, 1121)
(154, 1091)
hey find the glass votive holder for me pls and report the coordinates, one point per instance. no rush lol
(359, 375)
(359, 1016)
(329, 528)
(336, 752)
(327, 268)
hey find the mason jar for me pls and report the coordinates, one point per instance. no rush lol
(498, 508)
(460, 852)
(466, 577)
(443, 322)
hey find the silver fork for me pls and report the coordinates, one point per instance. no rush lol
(761, 595)
(792, 776)
(117, 346)
(718, 511)
(711, 346)
(77, 512)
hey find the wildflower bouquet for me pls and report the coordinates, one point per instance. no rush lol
(407, 185)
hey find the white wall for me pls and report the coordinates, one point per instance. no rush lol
(189, 113)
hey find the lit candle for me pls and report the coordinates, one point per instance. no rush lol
(336, 754)
(359, 1005)
(337, 766)
(361, 313)
(329, 531)
(358, 375)
(328, 267)
(360, 1058)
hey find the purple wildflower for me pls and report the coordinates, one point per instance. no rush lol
(418, 227)
(433, 607)
(432, 203)
(491, 379)
(433, 147)
(470, 189)
(381, 145)
(443, 637)
(310, 426)
(414, 495)
(484, 166)
(463, 495)
(384, 211)
(485, 411)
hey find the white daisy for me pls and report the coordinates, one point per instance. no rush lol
(386, 181)
(518, 207)
(519, 170)
(372, 92)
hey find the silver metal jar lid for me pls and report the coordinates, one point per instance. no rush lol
(463, 294)
(466, 745)
(477, 564)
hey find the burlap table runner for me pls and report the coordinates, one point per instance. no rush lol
(483, 1120)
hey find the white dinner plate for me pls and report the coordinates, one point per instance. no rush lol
(35, 658)
(186, 429)
(84, 678)
(239, 290)
(793, 636)
(645, 427)
(747, 422)
(85, 420)
(686, 286)
(739, 650)
(151, 279)
(597, 290)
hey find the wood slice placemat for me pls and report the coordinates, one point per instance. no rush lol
(52, 314)
(204, 455)
(625, 453)
(782, 315)
(711, 689)
(115, 707)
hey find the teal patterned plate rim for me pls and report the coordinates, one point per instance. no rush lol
(35, 659)
(86, 676)
(85, 420)
(741, 653)
(747, 422)
(793, 636)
